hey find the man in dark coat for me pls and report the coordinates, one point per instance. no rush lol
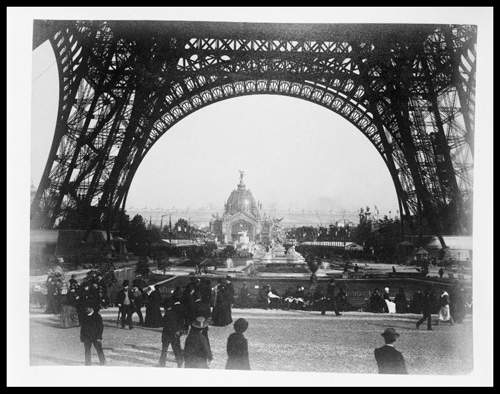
(91, 332)
(330, 302)
(174, 325)
(188, 302)
(197, 352)
(200, 308)
(377, 303)
(203, 310)
(426, 308)
(139, 301)
(244, 296)
(125, 300)
(237, 347)
(389, 360)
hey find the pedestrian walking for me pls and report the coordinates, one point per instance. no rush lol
(174, 325)
(444, 308)
(221, 314)
(237, 347)
(331, 302)
(153, 316)
(426, 309)
(69, 312)
(389, 360)
(91, 332)
(197, 352)
(139, 301)
(125, 301)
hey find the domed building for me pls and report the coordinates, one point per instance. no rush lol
(241, 216)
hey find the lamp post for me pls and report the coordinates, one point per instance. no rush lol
(161, 223)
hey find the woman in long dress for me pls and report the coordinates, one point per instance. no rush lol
(221, 315)
(444, 308)
(391, 306)
(69, 313)
(401, 301)
(153, 317)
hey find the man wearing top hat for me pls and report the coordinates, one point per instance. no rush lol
(91, 331)
(389, 360)
(125, 300)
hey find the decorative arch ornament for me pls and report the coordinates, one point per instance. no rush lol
(410, 89)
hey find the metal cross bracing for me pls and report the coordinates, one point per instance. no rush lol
(410, 89)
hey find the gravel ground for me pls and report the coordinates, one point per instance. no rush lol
(279, 341)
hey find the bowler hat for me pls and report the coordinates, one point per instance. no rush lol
(200, 322)
(390, 333)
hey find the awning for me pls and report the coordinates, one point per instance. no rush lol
(422, 251)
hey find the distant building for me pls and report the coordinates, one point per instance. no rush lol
(242, 216)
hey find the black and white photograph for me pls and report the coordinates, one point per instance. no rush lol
(224, 196)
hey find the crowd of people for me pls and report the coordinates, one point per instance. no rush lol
(450, 307)
(299, 299)
(190, 310)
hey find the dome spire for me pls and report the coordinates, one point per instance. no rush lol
(241, 185)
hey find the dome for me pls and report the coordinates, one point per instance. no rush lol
(241, 200)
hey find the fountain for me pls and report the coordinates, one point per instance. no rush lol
(276, 259)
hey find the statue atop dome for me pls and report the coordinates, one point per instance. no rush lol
(242, 174)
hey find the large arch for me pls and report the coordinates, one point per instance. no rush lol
(408, 88)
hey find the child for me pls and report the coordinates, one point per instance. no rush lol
(91, 332)
(197, 352)
(237, 347)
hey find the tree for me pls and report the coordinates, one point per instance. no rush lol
(386, 236)
(138, 237)
(142, 268)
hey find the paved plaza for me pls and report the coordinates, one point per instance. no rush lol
(279, 341)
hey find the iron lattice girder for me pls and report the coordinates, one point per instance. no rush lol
(178, 67)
